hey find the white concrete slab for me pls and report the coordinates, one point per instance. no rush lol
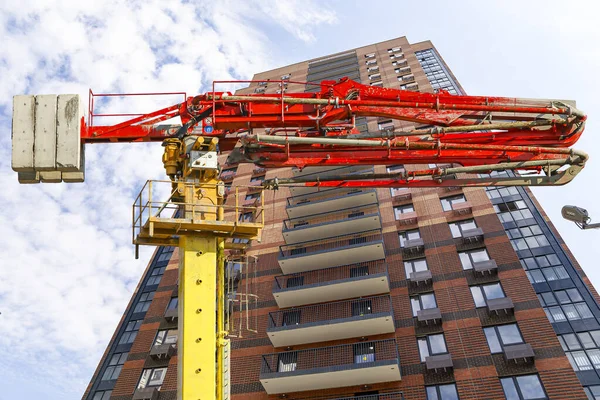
(29, 177)
(23, 125)
(334, 379)
(337, 290)
(44, 148)
(68, 133)
(51, 176)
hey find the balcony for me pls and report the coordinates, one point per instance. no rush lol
(413, 247)
(407, 218)
(442, 361)
(150, 393)
(462, 208)
(322, 172)
(171, 315)
(331, 321)
(504, 304)
(259, 171)
(332, 252)
(420, 277)
(517, 352)
(483, 267)
(472, 235)
(345, 365)
(329, 200)
(330, 284)
(429, 316)
(326, 225)
(163, 351)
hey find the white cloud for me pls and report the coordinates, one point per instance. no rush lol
(66, 266)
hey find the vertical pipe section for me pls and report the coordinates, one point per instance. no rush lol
(221, 333)
(197, 318)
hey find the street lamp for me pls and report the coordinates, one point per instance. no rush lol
(579, 216)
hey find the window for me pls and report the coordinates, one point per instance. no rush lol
(431, 345)
(131, 331)
(102, 395)
(355, 214)
(294, 281)
(563, 305)
(364, 353)
(448, 203)
(152, 377)
(260, 179)
(361, 307)
(165, 254)
(512, 211)
(370, 55)
(285, 77)
(259, 90)
(593, 392)
(527, 237)
(363, 270)
(467, 258)
(246, 217)
(252, 196)
(422, 302)
(498, 192)
(144, 302)
(544, 268)
(173, 303)
(291, 317)
(415, 266)
(167, 336)
(457, 228)
(524, 387)
(394, 49)
(114, 366)
(287, 361)
(442, 392)
(408, 235)
(399, 210)
(483, 293)
(156, 275)
(502, 335)
(582, 349)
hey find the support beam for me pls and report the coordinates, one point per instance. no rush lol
(197, 318)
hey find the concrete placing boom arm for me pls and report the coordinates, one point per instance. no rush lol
(482, 134)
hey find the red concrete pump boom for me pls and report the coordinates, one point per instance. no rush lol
(481, 134)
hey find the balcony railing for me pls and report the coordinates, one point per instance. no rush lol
(324, 195)
(317, 219)
(328, 275)
(338, 320)
(329, 224)
(364, 307)
(330, 284)
(339, 366)
(317, 246)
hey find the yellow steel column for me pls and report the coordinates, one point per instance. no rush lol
(197, 318)
(221, 333)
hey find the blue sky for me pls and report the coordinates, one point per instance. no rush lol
(67, 268)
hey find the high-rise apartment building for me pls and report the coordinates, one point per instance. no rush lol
(438, 294)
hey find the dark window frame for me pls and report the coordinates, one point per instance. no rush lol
(499, 337)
